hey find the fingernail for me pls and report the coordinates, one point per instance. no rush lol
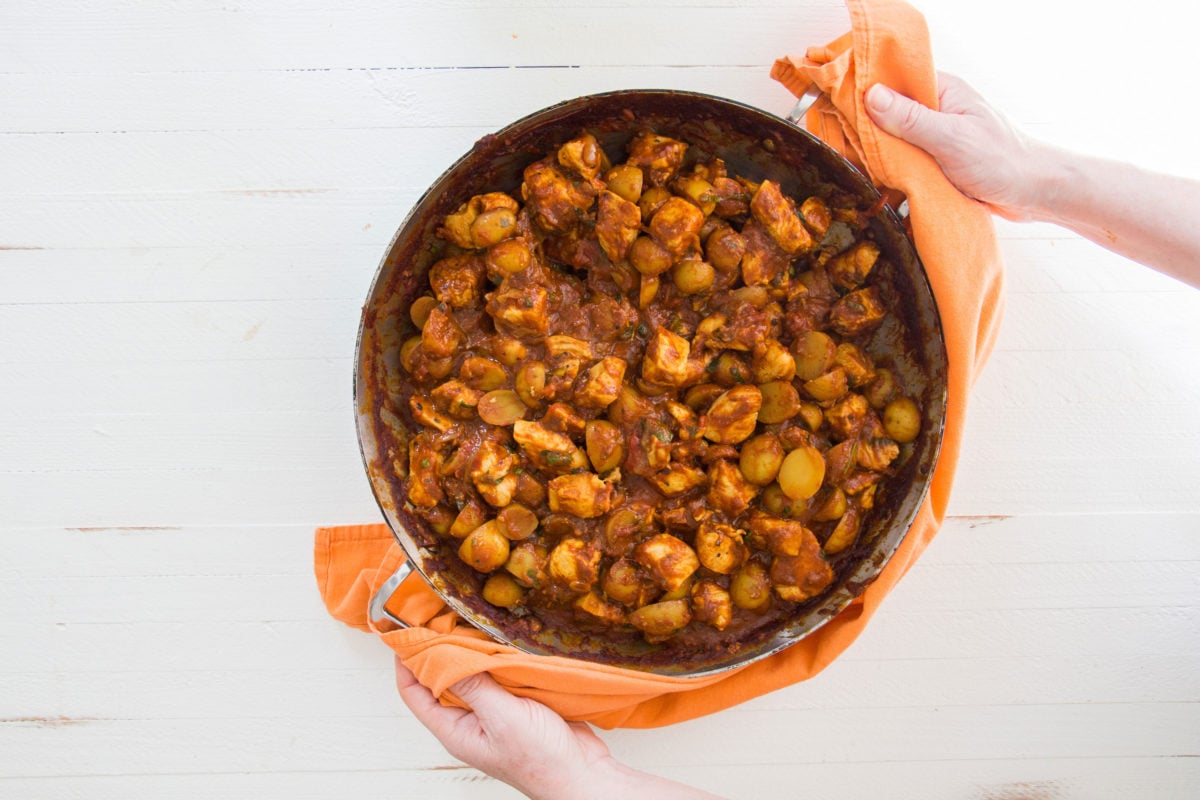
(880, 98)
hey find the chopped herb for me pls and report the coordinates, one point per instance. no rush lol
(556, 458)
(425, 463)
(642, 330)
(663, 435)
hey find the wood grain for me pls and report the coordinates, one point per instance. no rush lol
(193, 199)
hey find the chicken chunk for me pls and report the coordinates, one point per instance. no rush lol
(582, 155)
(575, 564)
(491, 470)
(602, 383)
(719, 547)
(666, 359)
(677, 479)
(456, 399)
(815, 213)
(728, 489)
(518, 312)
(593, 605)
(846, 417)
(676, 226)
(659, 156)
(849, 269)
(712, 604)
(424, 460)
(764, 263)
(441, 336)
(778, 215)
(556, 202)
(581, 494)
(732, 416)
(782, 537)
(617, 224)
(426, 414)
(803, 575)
(669, 560)
(458, 281)
(858, 312)
(547, 449)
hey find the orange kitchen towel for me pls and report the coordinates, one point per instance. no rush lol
(889, 43)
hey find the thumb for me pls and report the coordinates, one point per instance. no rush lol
(486, 698)
(904, 118)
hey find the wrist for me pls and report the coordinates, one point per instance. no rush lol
(1054, 175)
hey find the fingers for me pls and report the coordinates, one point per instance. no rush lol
(488, 699)
(955, 95)
(423, 705)
(904, 118)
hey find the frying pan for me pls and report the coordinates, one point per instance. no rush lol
(756, 145)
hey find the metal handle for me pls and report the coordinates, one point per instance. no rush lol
(377, 611)
(796, 115)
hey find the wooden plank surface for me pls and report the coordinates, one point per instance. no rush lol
(193, 198)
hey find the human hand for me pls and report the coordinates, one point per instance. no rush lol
(980, 152)
(514, 739)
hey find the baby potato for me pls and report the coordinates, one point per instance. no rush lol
(761, 458)
(652, 200)
(408, 353)
(828, 387)
(485, 548)
(750, 587)
(625, 180)
(503, 590)
(649, 257)
(470, 517)
(693, 276)
(730, 369)
(530, 383)
(421, 308)
(501, 407)
(605, 445)
(780, 402)
(527, 564)
(699, 191)
(881, 390)
(493, 227)
(508, 257)
(660, 620)
(508, 351)
(832, 508)
(812, 415)
(517, 521)
(844, 533)
(801, 473)
(626, 583)
(701, 396)
(482, 374)
(902, 419)
(771, 361)
(724, 248)
(814, 352)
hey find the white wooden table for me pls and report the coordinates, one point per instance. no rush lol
(193, 199)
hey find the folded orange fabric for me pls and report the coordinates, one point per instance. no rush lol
(954, 235)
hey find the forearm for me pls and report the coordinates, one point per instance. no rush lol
(610, 779)
(1146, 216)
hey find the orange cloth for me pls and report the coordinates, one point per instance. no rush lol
(955, 238)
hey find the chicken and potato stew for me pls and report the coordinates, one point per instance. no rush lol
(639, 394)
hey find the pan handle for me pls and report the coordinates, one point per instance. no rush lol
(796, 115)
(383, 619)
